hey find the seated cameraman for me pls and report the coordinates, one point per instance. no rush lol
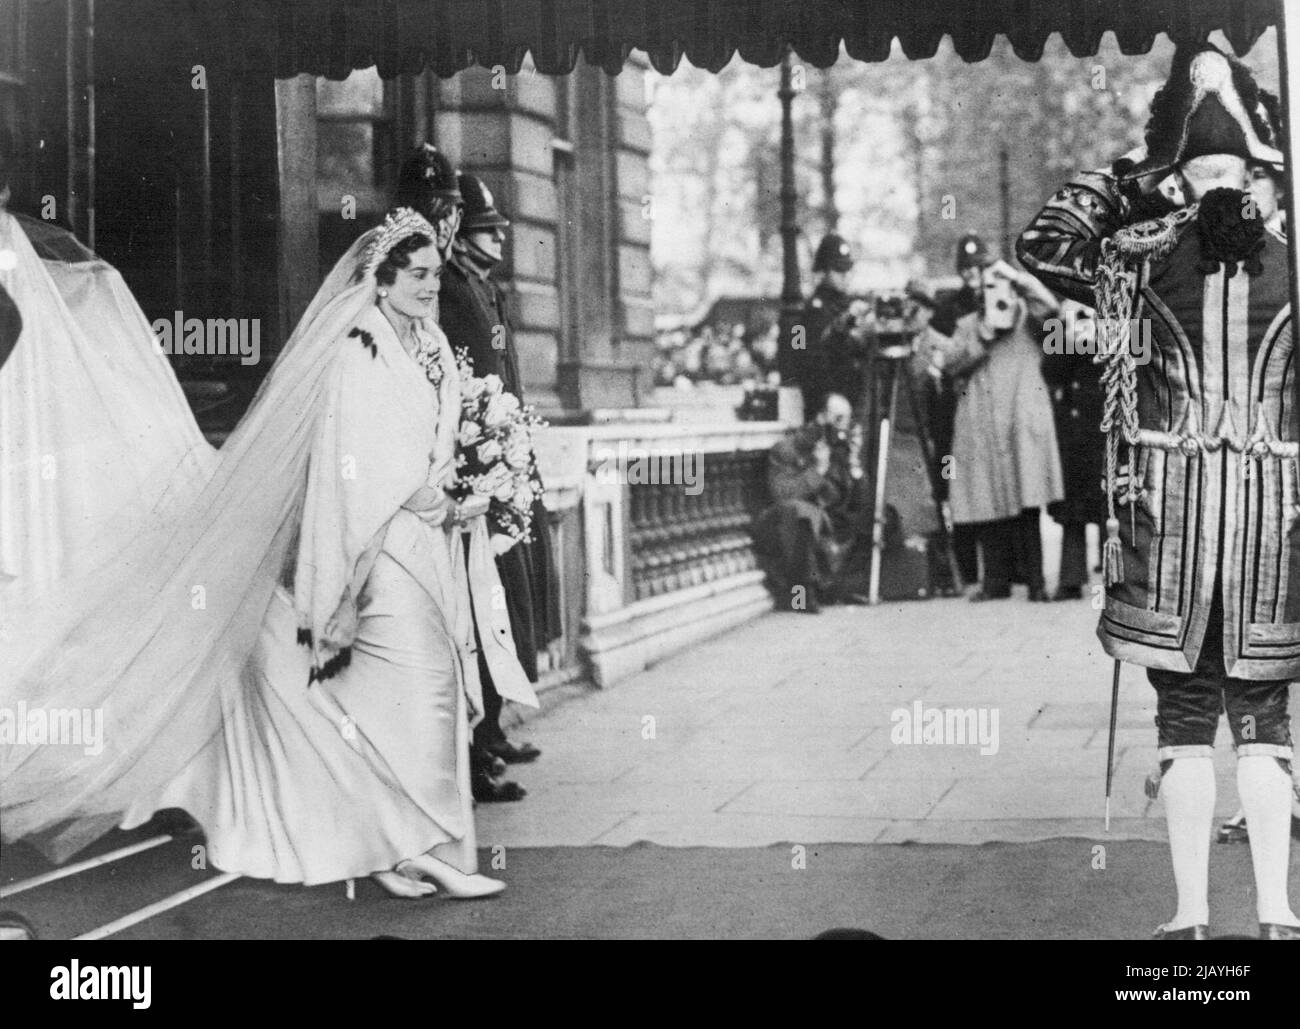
(819, 508)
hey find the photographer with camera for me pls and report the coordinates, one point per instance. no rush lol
(1005, 465)
(816, 480)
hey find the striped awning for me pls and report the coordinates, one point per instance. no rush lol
(333, 37)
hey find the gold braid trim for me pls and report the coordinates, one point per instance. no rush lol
(1122, 256)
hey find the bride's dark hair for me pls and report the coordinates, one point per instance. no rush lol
(400, 257)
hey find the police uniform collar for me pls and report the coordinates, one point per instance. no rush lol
(473, 260)
(460, 263)
(456, 260)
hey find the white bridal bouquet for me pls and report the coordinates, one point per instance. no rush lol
(494, 456)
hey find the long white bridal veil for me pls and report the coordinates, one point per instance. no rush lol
(94, 430)
(153, 639)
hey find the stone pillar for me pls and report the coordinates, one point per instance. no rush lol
(298, 258)
(567, 160)
(635, 341)
(613, 321)
(502, 128)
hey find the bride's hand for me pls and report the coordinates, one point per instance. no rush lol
(472, 507)
(430, 505)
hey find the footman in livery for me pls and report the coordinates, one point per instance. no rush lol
(1202, 555)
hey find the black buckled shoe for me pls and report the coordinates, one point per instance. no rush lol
(513, 754)
(1190, 932)
(488, 790)
(1277, 931)
(480, 760)
(981, 595)
(1234, 831)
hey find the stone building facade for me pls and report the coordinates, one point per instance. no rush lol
(220, 191)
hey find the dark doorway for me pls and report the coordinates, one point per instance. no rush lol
(185, 186)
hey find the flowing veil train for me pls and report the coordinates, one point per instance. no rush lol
(96, 437)
(158, 636)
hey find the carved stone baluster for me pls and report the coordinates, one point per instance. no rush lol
(638, 534)
(698, 542)
(654, 537)
(716, 516)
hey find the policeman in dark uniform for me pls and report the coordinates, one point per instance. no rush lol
(817, 366)
(473, 314)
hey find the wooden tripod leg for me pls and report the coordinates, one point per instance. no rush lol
(927, 452)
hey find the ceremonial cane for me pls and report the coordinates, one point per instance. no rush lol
(1110, 745)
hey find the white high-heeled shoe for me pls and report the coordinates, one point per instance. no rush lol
(457, 884)
(398, 884)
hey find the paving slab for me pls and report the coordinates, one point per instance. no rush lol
(808, 727)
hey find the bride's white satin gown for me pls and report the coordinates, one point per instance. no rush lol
(351, 775)
(370, 766)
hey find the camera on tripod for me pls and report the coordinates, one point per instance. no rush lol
(892, 324)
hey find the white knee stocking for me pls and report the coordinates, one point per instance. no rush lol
(1266, 795)
(1188, 790)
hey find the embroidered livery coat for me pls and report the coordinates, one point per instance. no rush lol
(1218, 504)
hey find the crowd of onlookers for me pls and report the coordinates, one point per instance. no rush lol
(720, 351)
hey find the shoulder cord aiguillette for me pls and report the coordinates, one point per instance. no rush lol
(1122, 256)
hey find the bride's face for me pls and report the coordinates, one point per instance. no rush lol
(414, 292)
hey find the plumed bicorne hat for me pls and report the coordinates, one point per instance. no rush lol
(1210, 104)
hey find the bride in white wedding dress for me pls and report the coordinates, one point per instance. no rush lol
(315, 735)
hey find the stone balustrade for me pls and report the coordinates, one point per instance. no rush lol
(657, 519)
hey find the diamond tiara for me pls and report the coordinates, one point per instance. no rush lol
(399, 225)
